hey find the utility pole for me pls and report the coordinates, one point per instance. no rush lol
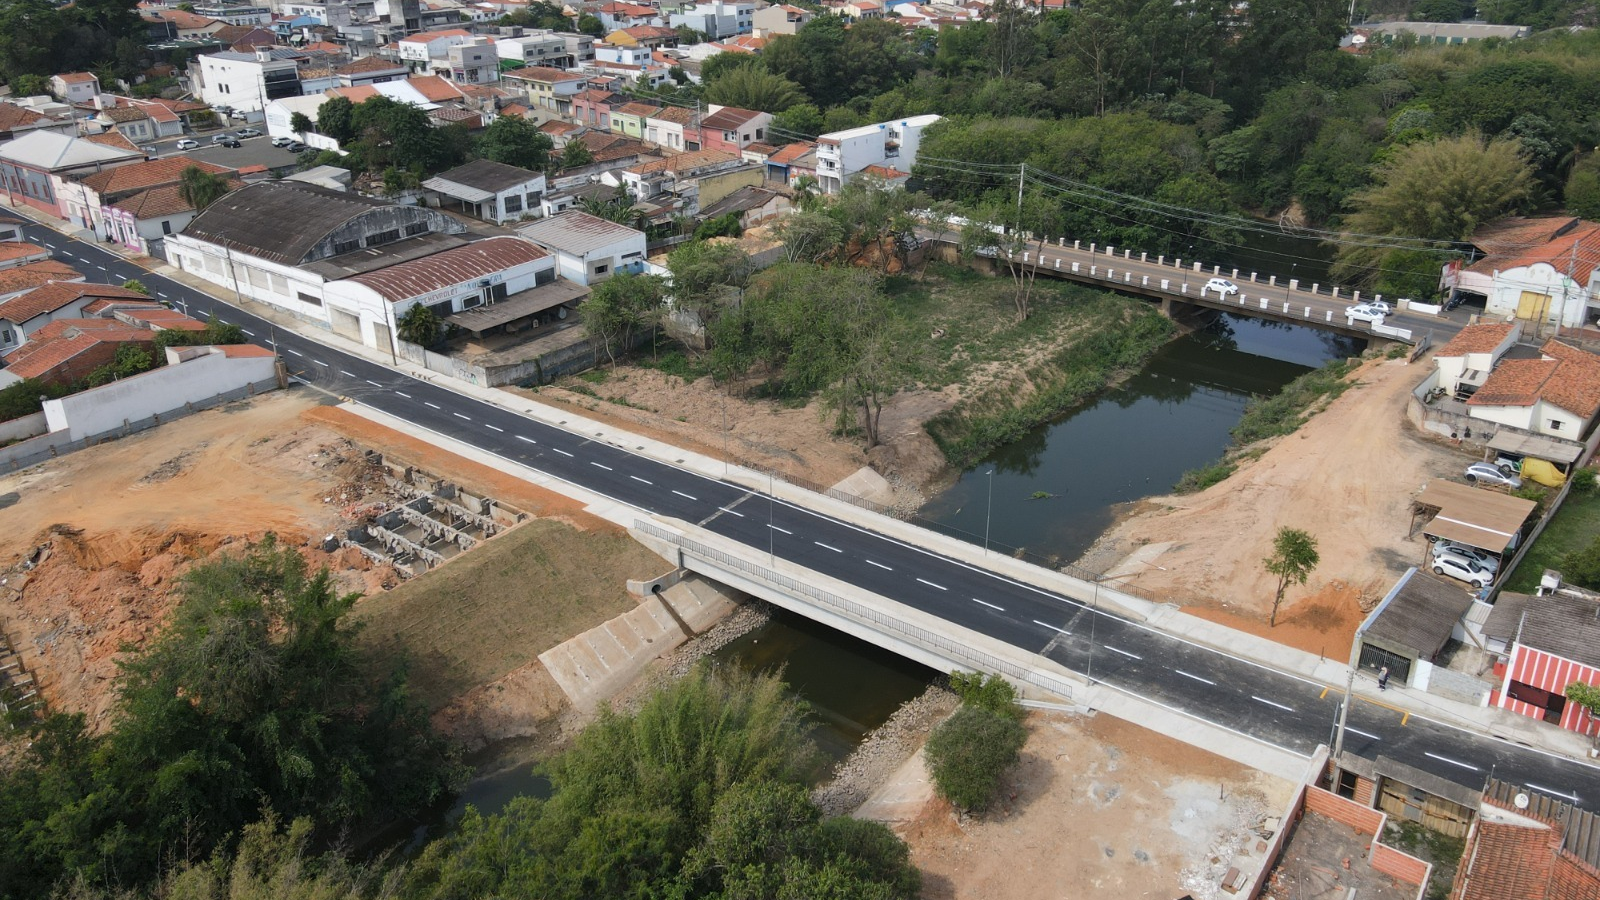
(1566, 287)
(1349, 687)
(1022, 180)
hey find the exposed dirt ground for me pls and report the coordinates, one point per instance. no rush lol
(1347, 476)
(1097, 807)
(110, 527)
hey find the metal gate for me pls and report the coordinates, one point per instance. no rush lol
(1375, 658)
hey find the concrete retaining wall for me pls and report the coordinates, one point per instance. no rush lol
(25, 452)
(23, 427)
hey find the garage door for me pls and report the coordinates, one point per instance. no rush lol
(345, 324)
(1532, 305)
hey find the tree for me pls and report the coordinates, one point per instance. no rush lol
(29, 85)
(1583, 188)
(617, 208)
(420, 325)
(301, 124)
(969, 753)
(706, 277)
(720, 64)
(133, 284)
(1441, 190)
(802, 120)
(1585, 695)
(576, 154)
(621, 305)
(1294, 555)
(750, 87)
(200, 188)
(808, 236)
(591, 25)
(515, 141)
(334, 119)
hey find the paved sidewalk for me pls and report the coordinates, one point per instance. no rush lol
(1168, 618)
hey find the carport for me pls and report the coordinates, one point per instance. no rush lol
(1476, 517)
(1562, 453)
(520, 310)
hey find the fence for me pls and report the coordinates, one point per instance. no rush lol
(50, 446)
(938, 644)
(1052, 563)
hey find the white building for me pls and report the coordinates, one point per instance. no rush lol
(236, 14)
(492, 191)
(779, 18)
(1545, 271)
(588, 248)
(75, 87)
(246, 82)
(472, 62)
(893, 145)
(281, 242)
(538, 47)
(717, 19)
(418, 50)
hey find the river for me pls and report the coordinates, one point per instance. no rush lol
(1055, 490)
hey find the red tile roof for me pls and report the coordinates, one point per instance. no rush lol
(636, 108)
(1480, 338)
(1562, 243)
(1510, 862)
(93, 310)
(10, 250)
(245, 351)
(791, 152)
(52, 296)
(354, 94)
(677, 115)
(13, 116)
(476, 260)
(646, 32)
(436, 89)
(114, 139)
(686, 162)
(543, 75)
(728, 118)
(369, 64)
(33, 275)
(76, 77)
(1566, 377)
(58, 342)
(139, 176)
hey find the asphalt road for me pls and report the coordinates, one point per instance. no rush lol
(1235, 693)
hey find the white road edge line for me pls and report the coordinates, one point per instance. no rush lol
(827, 547)
(599, 466)
(645, 480)
(988, 604)
(932, 585)
(1196, 677)
(777, 528)
(880, 565)
(1041, 624)
(1453, 762)
(1271, 703)
(687, 496)
(1122, 651)
(373, 383)
(295, 352)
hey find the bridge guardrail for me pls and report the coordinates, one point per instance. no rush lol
(927, 640)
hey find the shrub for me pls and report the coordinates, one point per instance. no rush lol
(992, 692)
(1583, 482)
(1196, 480)
(970, 752)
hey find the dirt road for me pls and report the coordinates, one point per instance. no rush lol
(1347, 476)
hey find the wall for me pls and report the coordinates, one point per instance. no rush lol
(717, 185)
(1369, 821)
(154, 393)
(23, 427)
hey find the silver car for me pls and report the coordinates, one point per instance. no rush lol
(1366, 312)
(1487, 474)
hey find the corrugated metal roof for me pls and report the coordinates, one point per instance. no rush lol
(577, 233)
(441, 270)
(1558, 623)
(1420, 614)
(1475, 516)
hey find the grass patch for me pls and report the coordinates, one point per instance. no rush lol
(1573, 528)
(1196, 480)
(1283, 412)
(498, 606)
(674, 360)
(595, 376)
(1430, 846)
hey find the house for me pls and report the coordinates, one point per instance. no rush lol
(1541, 270)
(535, 47)
(885, 177)
(470, 62)
(75, 87)
(615, 15)
(753, 206)
(1526, 845)
(587, 248)
(25, 313)
(652, 37)
(245, 37)
(68, 350)
(859, 10)
(183, 25)
(1542, 644)
(779, 18)
(1556, 394)
(785, 157)
(511, 278)
(1464, 363)
(731, 129)
(417, 50)
(492, 191)
(142, 220)
(676, 128)
(842, 154)
(97, 190)
(551, 90)
(629, 118)
(246, 82)
(559, 132)
(16, 121)
(699, 178)
(36, 165)
(1408, 630)
(20, 253)
(716, 19)
(19, 280)
(370, 70)
(280, 242)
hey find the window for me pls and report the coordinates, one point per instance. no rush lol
(513, 203)
(166, 226)
(307, 298)
(416, 228)
(384, 237)
(5, 336)
(601, 270)
(1555, 424)
(345, 246)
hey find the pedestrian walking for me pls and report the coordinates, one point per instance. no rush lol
(1383, 678)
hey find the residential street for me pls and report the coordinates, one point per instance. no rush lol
(1196, 681)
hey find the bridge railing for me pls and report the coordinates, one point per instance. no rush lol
(941, 645)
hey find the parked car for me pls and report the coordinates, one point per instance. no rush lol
(232, 143)
(296, 147)
(223, 137)
(188, 144)
(247, 133)
(282, 141)
(1488, 474)
(1463, 570)
(1467, 556)
(1481, 557)
(1508, 463)
(1222, 286)
(1367, 312)
(151, 151)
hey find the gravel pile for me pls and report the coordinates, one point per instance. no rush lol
(884, 751)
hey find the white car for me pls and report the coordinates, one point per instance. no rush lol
(1367, 312)
(1488, 474)
(282, 141)
(1463, 570)
(188, 144)
(1222, 286)
(1469, 557)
